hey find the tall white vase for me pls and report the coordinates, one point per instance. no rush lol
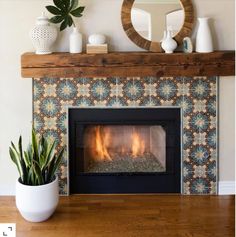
(76, 42)
(204, 42)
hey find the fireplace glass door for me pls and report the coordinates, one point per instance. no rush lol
(123, 148)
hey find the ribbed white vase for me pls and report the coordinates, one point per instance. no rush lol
(204, 42)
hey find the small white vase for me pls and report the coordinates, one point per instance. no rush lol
(164, 36)
(37, 203)
(76, 41)
(43, 35)
(204, 39)
(168, 43)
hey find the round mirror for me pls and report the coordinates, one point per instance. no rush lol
(144, 21)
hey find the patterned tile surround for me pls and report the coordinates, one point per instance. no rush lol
(197, 96)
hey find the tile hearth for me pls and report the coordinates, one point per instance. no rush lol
(197, 96)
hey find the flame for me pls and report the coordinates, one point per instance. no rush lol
(138, 145)
(102, 141)
(105, 144)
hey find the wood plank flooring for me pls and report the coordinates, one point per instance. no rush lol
(130, 216)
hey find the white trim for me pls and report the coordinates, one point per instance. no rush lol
(226, 187)
(7, 190)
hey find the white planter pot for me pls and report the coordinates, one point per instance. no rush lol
(204, 42)
(37, 203)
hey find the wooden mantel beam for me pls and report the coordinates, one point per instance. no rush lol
(128, 64)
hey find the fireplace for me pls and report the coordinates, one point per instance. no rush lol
(125, 150)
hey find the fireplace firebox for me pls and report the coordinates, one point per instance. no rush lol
(124, 150)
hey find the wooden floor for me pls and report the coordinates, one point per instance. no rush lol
(130, 216)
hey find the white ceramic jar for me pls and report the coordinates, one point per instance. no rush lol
(37, 203)
(97, 39)
(43, 35)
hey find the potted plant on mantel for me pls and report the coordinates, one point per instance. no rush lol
(64, 11)
(37, 187)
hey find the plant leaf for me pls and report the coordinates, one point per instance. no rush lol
(70, 21)
(54, 165)
(14, 158)
(38, 173)
(66, 4)
(74, 4)
(77, 12)
(50, 153)
(57, 19)
(20, 148)
(58, 4)
(26, 159)
(35, 146)
(64, 24)
(54, 10)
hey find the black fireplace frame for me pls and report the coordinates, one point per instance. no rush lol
(105, 183)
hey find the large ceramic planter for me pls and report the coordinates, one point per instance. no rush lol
(37, 203)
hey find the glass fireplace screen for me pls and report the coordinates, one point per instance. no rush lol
(127, 148)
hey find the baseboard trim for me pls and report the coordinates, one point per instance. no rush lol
(226, 187)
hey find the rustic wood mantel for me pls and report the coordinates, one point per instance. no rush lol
(128, 64)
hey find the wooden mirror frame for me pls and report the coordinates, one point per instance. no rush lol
(155, 46)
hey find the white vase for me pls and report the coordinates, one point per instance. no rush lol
(76, 41)
(168, 43)
(204, 39)
(37, 203)
(43, 35)
(164, 36)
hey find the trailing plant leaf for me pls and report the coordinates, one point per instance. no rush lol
(39, 163)
(64, 10)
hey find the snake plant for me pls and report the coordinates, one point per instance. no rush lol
(39, 163)
(64, 11)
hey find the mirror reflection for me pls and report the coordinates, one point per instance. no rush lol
(151, 17)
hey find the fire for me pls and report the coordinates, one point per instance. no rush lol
(138, 145)
(106, 144)
(102, 141)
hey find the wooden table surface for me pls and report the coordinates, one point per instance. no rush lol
(130, 216)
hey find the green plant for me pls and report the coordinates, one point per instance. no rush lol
(64, 10)
(39, 163)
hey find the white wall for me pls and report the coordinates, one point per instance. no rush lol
(18, 16)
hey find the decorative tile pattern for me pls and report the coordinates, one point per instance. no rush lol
(196, 96)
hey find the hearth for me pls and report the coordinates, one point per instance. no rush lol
(125, 150)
